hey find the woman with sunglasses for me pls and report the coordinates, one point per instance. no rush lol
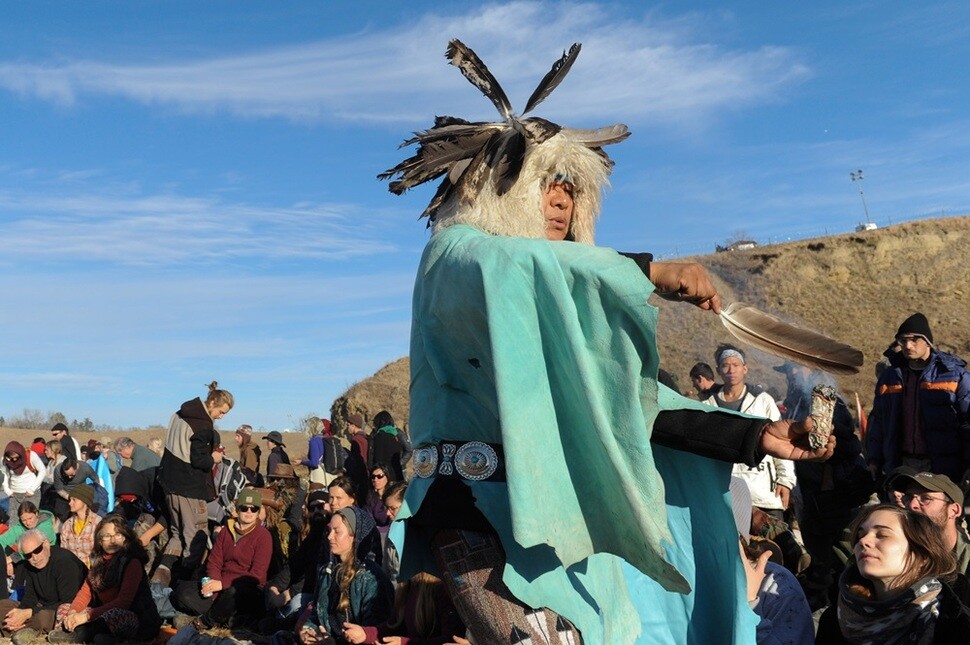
(902, 587)
(23, 475)
(379, 480)
(115, 601)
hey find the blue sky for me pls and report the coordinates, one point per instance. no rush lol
(188, 192)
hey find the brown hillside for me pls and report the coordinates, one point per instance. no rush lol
(385, 390)
(855, 287)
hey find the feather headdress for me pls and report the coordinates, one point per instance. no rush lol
(493, 173)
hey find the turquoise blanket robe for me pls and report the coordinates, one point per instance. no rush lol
(549, 349)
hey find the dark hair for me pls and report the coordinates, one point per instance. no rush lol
(723, 347)
(702, 369)
(344, 484)
(928, 553)
(27, 507)
(394, 491)
(106, 573)
(384, 469)
(381, 419)
(39, 440)
(67, 464)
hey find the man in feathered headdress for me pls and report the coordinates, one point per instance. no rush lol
(534, 401)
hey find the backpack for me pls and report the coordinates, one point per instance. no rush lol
(334, 455)
(231, 481)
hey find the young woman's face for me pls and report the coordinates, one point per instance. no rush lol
(28, 520)
(239, 439)
(218, 411)
(340, 538)
(881, 549)
(378, 479)
(339, 499)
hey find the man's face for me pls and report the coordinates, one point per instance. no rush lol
(42, 548)
(218, 411)
(57, 434)
(69, 473)
(352, 428)
(126, 451)
(701, 383)
(557, 208)
(732, 370)
(915, 348)
(934, 505)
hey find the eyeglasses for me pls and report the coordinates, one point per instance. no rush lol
(108, 538)
(923, 499)
(316, 507)
(248, 509)
(28, 555)
(380, 476)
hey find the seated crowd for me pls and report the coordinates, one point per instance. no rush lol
(112, 541)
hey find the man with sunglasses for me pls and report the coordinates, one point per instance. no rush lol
(52, 576)
(938, 498)
(70, 448)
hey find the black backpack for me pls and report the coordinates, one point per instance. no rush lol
(334, 455)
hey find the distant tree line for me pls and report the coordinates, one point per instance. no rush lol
(31, 419)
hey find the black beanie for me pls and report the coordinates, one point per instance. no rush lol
(918, 325)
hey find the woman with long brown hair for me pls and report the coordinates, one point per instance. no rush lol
(353, 591)
(115, 600)
(902, 586)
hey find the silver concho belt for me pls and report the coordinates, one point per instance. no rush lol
(472, 460)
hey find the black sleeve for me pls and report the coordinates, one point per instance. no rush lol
(714, 434)
(643, 261)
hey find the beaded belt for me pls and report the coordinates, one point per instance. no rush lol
(472, 460)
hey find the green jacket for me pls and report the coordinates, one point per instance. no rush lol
(45, 522)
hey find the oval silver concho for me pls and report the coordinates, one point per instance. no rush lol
(476, 461)
(425, 462)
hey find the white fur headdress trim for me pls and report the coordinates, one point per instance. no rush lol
(518, 212)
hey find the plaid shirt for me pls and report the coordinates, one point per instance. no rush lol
(80, 543)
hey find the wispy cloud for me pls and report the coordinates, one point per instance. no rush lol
(645, 68)
(172, 229)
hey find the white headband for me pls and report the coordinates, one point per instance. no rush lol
(727, 353)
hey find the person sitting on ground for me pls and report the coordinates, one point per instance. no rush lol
(380, 477)
(235, 570)
(393, 498)
(23, 474)
(249, 454)
(77, 531)
(938, 498)
(141, 458)
(773, 592)
(276, 448)
(141, 501)
(51, 577)
(29, 517)
(70, 474)
(423, 615)
(353, 592)
(115, 599)
(295, 585)
(343, 495)
(283, 505)
(902, 586)
(702, 378)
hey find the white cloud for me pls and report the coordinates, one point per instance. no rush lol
(645, 69)
(170, 229)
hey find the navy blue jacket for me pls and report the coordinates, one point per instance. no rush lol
(944, 403)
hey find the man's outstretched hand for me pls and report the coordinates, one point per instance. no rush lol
(685, 281)
(787, 439)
